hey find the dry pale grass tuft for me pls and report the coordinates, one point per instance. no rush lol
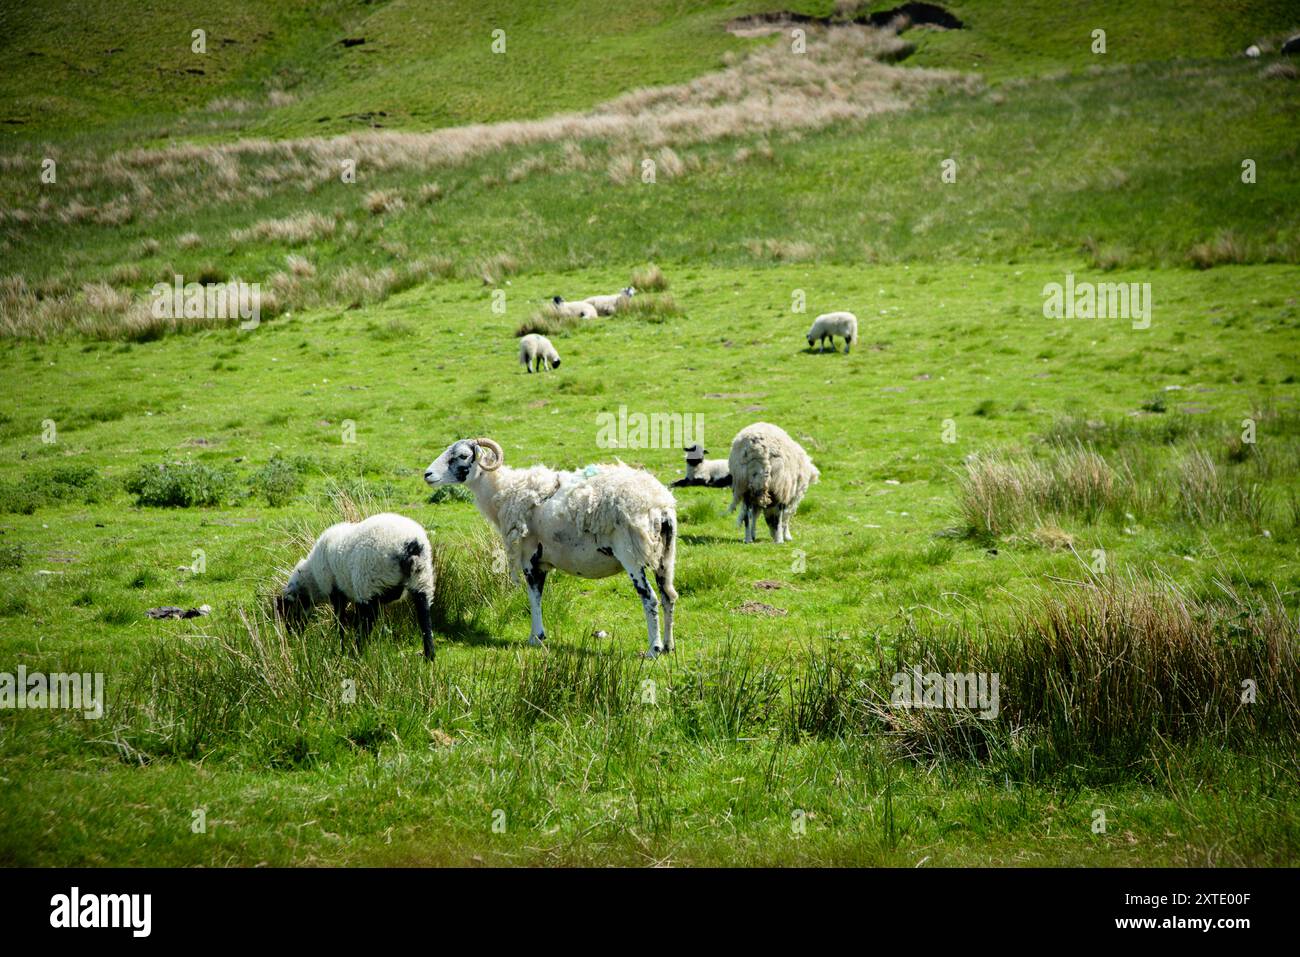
(548, 322)
(189, 241)
(292, 230)
(781, 250)
(300, 266)
(655, 308)
(1224, 249)
(495, 268)
(649, 278)
(380, 201)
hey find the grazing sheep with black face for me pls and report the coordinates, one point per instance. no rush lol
(368, 563)
(594, 523)
(536, 352)
(715, 473)
(770, 472)
(832, 324)
(574, 310)
(608, 305)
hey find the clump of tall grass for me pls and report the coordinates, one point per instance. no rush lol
(1212, 479)
(649, 278)
(652, 308)
(291, 230)
(1001, 493)
(1206, 494)
(547, 321)
(1106, 675)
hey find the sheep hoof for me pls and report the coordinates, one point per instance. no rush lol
(537, 640)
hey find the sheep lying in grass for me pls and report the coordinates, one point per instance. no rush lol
(770, 472)
(715, 473)
(592, 523)
(832, 324)
(608, 305)
(537, 352)
(573, 310)
(368, 563)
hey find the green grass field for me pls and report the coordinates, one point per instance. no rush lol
(1104, 514)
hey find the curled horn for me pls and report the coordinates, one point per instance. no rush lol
(491, 462)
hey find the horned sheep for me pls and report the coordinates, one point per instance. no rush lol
(593, 523)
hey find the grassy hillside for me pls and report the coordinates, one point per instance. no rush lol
(887, 562)
(1105, 515)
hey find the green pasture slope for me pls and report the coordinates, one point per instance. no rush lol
(762, 739)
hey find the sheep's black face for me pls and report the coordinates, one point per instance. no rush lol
(291, 606)
(555, 364)
(452, 466)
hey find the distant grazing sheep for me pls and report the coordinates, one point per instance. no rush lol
(832, 324)
(770, 472)
(536, 352)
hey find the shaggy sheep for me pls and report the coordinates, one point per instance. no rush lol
(593, 523)
(369, 563)
(770, 472)
(537, 351)
(608, 305)
(831, 324)
(715, 473)
(574, 310)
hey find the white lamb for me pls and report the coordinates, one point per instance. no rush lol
(770, 472)
(608, 305)
(574, 310)
(368, 563)
(593, 523)
(831, 324)
(537, 351)
(715, 473)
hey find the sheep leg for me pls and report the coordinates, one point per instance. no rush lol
(535, 579)
(668, 597)
(772, 516)
(785, 525)
(367, 614)
(421, 600)
(649, 603)
(847, 343)
(339, 604)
